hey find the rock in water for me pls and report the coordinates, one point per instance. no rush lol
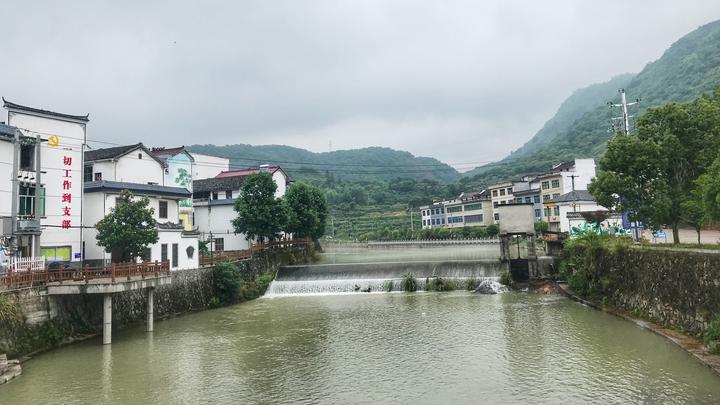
(490, 287)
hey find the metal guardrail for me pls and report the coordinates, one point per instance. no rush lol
(114, 272)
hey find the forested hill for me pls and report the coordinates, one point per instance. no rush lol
(689, 68)
(367, 164)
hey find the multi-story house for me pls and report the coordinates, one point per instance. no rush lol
(178, 173)
(207, 167)
(576, 202)
(500, 194)
(468, 209)
(135, 168)
(41, 196)
(560, 180)
(214, 201)
(531, 195)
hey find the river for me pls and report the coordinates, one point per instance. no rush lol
(415, 348)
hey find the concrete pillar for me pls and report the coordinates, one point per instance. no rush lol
(150, 303)
(107, 318)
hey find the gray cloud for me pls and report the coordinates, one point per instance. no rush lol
(462, 81)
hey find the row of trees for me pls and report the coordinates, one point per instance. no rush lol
(668, 174)
(261, 216)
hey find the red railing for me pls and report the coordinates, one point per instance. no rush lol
(236, 255)
(114, 272)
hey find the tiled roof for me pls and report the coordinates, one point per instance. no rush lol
(13, 106)
(577, 195)
(563, 166)
(218, 184)
(166, 153)
(170, 226)
(138, 188)
(110, 153)
(247, 172)
(7, 131)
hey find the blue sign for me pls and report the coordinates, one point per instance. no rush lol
(78, 255)
(660, 234)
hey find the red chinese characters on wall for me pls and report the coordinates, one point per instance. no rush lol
(66, 197)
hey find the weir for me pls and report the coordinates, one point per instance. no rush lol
(347, 277)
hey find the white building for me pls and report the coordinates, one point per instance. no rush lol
(468, 209)
(178, 173)
(214, 200)
(135, 168)
(55, 232)
(207, 167)
(575, 202)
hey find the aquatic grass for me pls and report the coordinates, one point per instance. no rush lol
(263, 281)
(409, 282)
(711, 337)
(471, 284)
(438, 284)
(388, 285)
(505, 278)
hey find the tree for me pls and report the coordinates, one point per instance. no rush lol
(693, 211)
(261, 216)
(651, 175)
(128, 229)
(307, 211)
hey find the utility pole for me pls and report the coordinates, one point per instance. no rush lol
(332, 225)
(38, 185)
(625, 115)
(572, 179)
(412, 226)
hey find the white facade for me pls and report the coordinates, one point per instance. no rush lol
(137, 166)
(207, 167)
(580, 206)
(63, 138)
(584, 172)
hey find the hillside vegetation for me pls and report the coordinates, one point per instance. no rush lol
(688, 69)
(366, 164)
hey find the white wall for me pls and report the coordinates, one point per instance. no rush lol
(281, 181)
(207, 167)
(217, 220)
(580, 206)
(6, 174)
(131, 169)
(71, 138)
(175, 237)
(585, 170)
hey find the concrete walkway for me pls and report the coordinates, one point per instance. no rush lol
(690, 344)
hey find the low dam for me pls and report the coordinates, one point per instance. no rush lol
(348, 277)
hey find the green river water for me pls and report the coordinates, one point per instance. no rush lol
(436, 348)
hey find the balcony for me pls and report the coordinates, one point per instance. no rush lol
(28, 226)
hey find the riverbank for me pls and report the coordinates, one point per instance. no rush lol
(690, 344)
(34, 322)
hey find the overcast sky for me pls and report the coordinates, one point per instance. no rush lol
(462, 81)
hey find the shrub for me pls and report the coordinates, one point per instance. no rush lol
(249, 290)
(438, 284)
(226, 283)
(263, 281)
(472, 284)
(712, 336)
(505, 278)
(408, 283)
(388, 285)
(9, 311)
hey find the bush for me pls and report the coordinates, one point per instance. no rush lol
(583, 259)
(226, 283)
(263, 281)
(408, 283)
(249, 290)
(438, 284)
(712, 336)
(388, 285)
(505, 278)
(472, 284)
(9, 311)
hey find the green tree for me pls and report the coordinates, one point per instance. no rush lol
(693, 211)
(128, 229)
(261, 216)
(307, 210)
(651, 175)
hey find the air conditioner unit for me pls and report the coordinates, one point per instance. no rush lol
(28, 225)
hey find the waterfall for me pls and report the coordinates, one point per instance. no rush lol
(351, 277)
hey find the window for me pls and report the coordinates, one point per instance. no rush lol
(528, 200)
(536, 199)
(228, 195)
(548, 211)
(424, 222)
(26, 208)
(27, 157)
(98, 176)
(473, 207)
(175, 255)
(495, 193)
(473, 218)
(502, 191)
(519, 200)
(139, 155)
(556, 211)
(503, 202)
(442, 210)
(432, 221)
(163, 209)
(163, 252)
(88, 173)
(451, 210)
(509, 190)
(455, 220)
(214, 196)
(546, 197)
(556, 196)
(495, 204)
(219, 244)
(442, 221)
(556, 183)
(545, 185)
(537, 213)
(497, 217)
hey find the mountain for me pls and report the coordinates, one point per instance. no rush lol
(688, 69)
(374, 163)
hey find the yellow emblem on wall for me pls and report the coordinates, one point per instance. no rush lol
(54, 141)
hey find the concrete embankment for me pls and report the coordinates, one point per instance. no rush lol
(39, 322)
